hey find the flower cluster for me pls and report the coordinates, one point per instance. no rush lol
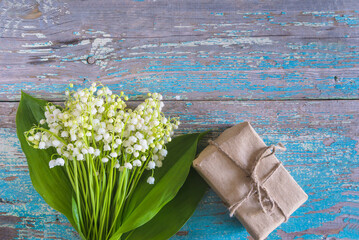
(95, 125)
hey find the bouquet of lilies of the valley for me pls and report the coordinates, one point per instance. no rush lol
(114, 172)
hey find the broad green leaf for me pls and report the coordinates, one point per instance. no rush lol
(52, 184)
(175, 213)
(147, 200)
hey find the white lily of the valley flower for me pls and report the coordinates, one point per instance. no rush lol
(151, 180)
(128, 165)
(95, 126)
(42, 145)
(151, 164)
(137, 163)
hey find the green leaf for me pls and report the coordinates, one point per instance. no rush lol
(175, 214)
(75, 214)
(52, 184)
(147, 200)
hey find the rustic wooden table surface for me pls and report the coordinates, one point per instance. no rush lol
(290, 67)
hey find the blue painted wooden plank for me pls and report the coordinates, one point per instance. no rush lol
(225, 50)
(322, 156)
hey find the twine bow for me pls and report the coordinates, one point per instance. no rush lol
(263, 194)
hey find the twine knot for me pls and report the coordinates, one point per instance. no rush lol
(257, 187)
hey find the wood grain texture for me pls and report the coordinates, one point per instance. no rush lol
(289, 67)
(322, 141)
(190, 50)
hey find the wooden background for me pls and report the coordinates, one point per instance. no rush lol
(290, 67)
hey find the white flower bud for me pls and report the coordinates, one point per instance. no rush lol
(73, 138)
(101, 109)
(104, 160)
(128, 165)
(42, 121)
(131, 127)
(101, 131)
(150, 139)
(97, 152)
(80, 157)
(56, 112)
(163, 152)
(76, 151)
(84, 151)
(56, 143)
(113, 154)
(106, 147)
(52, 163)
(143, 158)
(106, 136)
(132, 139)
(151, 164)
(137, 163)
(151, 180)
(143, 143)
(42, 145)
(129, 150)
(136, 154)
(99, 102)
(137, 147)
(91, 150)
(139, 135)
(98, 138)
(66, 154)
(64, 134)
(134, 121)
(110, 113)
(60, 162)
(155, 123)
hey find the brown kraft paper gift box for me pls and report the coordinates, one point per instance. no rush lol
(248, 177)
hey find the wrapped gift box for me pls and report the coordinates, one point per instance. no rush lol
(249, 178)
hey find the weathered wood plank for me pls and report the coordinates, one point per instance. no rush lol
(321, 137)
(194, 51)
(221, 50)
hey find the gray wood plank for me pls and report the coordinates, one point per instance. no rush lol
(251, 50)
